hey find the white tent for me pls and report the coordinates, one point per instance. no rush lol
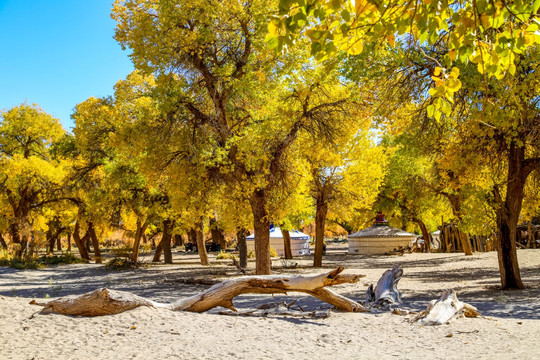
(299, 242)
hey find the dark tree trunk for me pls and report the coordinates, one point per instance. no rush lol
(80, 242)
(192, 236)
(217, 233)
(166, 240)
(16, 238)
(3, 242)
(242, 247)
(287, 244)
(58, 243)
(201, 246)
(320, 220)
(425, 233)
(261, 225)
(508, 216)
(68, 241)
(159, 250)
(178, 240)
(95, 242)
(50, 241)
(141, 227)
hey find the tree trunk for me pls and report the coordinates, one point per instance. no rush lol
(192, 236)
(58, 242)
(168, 225)
(261, 225)
(242, 247)
(141, 227)
(3, 242)
(50, 241)
(159, 250)
(507, 218)
(465, 243)
(217, 234)
(95, 243)
(425, 234)
(201, 246)
(320, 220)
(178, 240)
(68, 241)
(14, 230)
(287, 243)
(80, 242)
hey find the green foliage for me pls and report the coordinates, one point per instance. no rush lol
(224, 255)
(65, 258)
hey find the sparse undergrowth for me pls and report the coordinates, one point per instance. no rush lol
(32, 262)
(123, 263)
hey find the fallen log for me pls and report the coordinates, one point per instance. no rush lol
(448, 307)
(107, 302)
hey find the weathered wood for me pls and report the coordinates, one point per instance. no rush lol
(96, 303)
(445, 309)
(386, 291)
(106, 302)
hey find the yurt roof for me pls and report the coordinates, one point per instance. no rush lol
(438, 232)
(275, 232)
(378, 231)
(381, 229)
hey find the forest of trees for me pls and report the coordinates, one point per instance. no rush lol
(243, 114)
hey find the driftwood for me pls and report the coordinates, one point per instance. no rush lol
(445, 309)
(106, 301)
(281, 309)
(386, 292)
(96, 303)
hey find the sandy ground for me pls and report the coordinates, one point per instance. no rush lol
(508, 329)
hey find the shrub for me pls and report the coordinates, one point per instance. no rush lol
(65, 258)
(123, 263)
(224, 255)
(273, 252)
(16, 262)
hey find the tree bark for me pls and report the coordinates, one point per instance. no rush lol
(68, 241)
(425, 234)
(168, 225)
(507, 218)
(3, 242)
(159, 250)
(217, 234)
(201, 246)
(58, 243)
(107, 302)
(80, 242)
(320, 220)
(242, 247)
(465, 243)
(287, 243)
(141, 227)
(95, 243)
(178, 240)
(261, 225)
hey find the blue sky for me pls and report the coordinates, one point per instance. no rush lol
(58, 53)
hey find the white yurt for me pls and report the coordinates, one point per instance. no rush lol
(379, 238)
(299, 242)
